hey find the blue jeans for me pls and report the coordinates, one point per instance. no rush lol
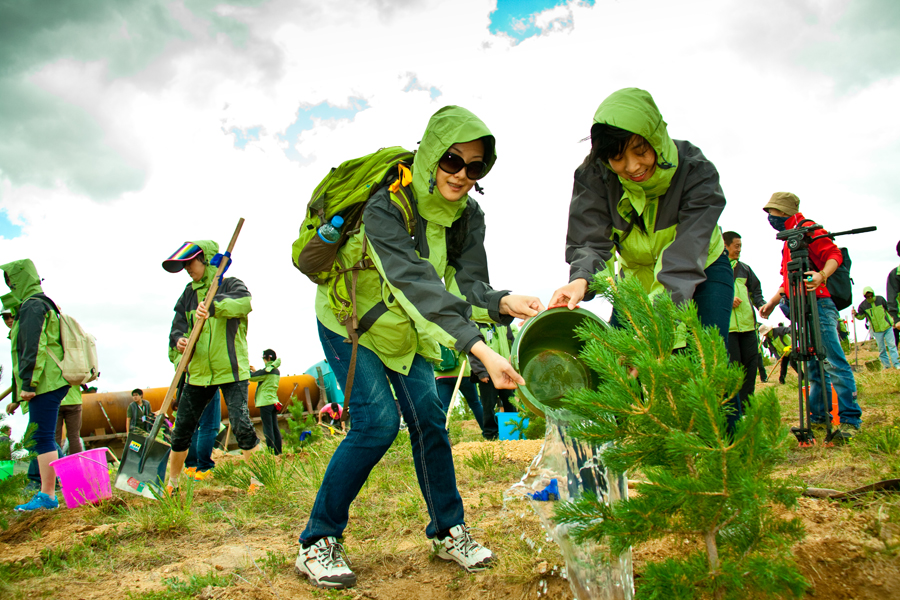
(837, 372)
(34, 470)
(375, 425)
(887, 346)
(203, 440)
(445, 387)
(43, 410)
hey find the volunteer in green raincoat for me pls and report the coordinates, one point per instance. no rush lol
(652, 204)
(266, 396)
(37, 377)
(406, 312)
(874, 309)
(220, 358)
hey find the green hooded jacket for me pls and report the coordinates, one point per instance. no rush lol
(875, 311)
(220, 355)
(35, 333)
(267, 386)
(423, 289)
(749, 290)
(665, 230)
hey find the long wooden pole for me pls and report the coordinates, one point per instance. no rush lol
(462, 370)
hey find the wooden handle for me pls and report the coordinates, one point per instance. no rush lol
(198, 322)
(462, 369)
(6, 393)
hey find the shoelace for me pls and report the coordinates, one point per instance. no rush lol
(333, 556)
(464, 543)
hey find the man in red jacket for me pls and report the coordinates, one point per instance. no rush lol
(784, 213)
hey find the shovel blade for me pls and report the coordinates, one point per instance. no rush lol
(132, 477)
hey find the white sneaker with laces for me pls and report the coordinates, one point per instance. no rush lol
(325, 565)
(461, 548)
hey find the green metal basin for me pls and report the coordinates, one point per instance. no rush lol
(546, 355)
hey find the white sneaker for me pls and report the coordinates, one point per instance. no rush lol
(460, 547)
(325, 565)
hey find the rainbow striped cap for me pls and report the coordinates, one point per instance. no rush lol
(176, 262)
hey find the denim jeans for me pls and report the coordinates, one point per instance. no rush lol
(203, 440)
(887, 346)
(43, 410)
(837, 372)
(375, 425)
(193, 402)
(445, 386)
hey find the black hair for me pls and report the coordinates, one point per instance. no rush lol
(730, 236)
(137, 391)
(609, 142)
(898, 248)
(269, 354)
(334, 406)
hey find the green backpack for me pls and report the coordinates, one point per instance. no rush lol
(345, 191)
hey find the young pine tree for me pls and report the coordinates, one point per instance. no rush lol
(702, 483)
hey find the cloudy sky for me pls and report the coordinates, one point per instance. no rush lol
(128, 127)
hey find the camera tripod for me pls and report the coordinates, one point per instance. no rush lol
(806, 331)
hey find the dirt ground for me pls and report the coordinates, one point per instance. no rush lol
(843, 555)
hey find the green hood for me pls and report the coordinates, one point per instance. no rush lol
(448, 126)
(24, 281)
(633, 110)
(274, 364)
(210, 248)
(867, 290)
(10, 303)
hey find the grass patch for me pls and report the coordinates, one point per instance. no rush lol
(168, 514)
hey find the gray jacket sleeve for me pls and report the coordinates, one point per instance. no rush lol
(589, 242)
(700, 204)
(754, 289)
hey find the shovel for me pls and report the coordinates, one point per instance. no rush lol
(144, 454)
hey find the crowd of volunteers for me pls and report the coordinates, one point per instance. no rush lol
(643, 206)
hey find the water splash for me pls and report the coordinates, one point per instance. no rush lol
(578, 468)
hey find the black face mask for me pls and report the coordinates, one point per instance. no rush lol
(777, 223)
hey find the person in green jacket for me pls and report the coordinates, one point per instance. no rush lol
(778, 340)
(743, 342)
(406, 312)
(70, 415)
(267, 380)
(874, 309)
(652, 204)
(220, 358)
(500, 338)
(37, 377)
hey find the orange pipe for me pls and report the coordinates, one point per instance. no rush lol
(116, 404)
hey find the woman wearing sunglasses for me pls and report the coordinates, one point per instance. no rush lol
(656, 203)
(422, 293)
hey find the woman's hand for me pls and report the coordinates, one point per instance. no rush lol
(520, 307)
(502, 374)
(181, 344)
(26, 395)
(570, 294)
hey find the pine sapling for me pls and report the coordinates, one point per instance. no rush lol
(664, 414)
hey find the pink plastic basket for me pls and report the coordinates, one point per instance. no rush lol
(84, 477)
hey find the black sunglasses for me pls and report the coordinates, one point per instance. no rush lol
(453, 163)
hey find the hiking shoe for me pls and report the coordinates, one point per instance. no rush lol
(40, 501)
(189, 471)
(171, 490)
(197, 475)
(325, 565)
(847, 431)
(461, 548)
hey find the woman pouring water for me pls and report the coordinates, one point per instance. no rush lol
(654, 202)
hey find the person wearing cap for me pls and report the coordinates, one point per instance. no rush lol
(37, 377)
(267, 380)
(893, 298)
(647, 206)
(783, 210)
(874, 310)
(220, 358)
(743, 343)
(778, 340)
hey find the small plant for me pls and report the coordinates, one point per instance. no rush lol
(537, 428)
(484, 461)
(269, 470)
(703, 482)
(519, 426)
(169, 513)
(233, 473)
(302, 428)
(881, 440)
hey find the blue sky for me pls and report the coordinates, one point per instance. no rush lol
(7, 229)
(515, 18)
(307, 117)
